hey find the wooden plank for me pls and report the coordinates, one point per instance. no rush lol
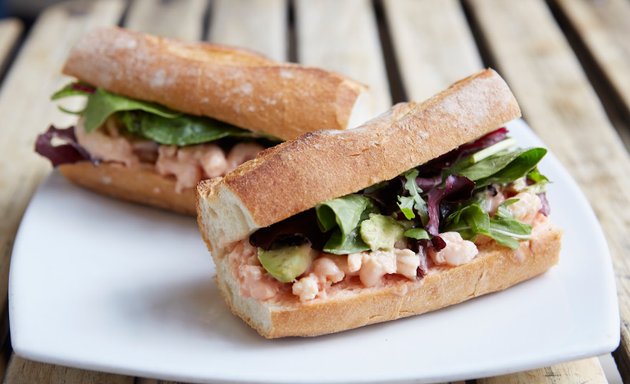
(26, 111)
(182, 19)
(10, 30)
(604, 27)
(559, 103)
(433, 44)
(342, 36)
(582, 371)
(260, 25)
(22, 371)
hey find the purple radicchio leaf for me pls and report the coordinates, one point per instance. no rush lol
(296, 229)
(428, 183)
(423, 266)
(455, 188)
(483, 142)
(83, 87)
(68, 152)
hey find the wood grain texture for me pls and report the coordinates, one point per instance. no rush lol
(604, 27)
(581, 371)
(27, 111)
(342, 36)
(182, 19)
(10, 30)
(260, 25)
(557, 100)
(433, 44)
(23, 371)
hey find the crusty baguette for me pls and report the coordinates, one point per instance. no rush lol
(494, 269)
(139, 184)
(296, 175)
(229, 84)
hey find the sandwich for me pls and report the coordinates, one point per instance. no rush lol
(425, 206)
(163, 114)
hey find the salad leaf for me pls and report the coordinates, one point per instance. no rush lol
(539, 181)
(150, 120)
(339, 244)
(345, 212)
(295, 230)
(471, 221)
(482, 154)
(537, 177)
(102, 104)
(66, 151)
(417, 233)
(73, 89)
(516, 168)
(455, 188)
(491, 165)
(407, 204)
(182, 130)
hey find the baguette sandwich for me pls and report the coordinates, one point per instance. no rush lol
(425, 206)
(163, 114)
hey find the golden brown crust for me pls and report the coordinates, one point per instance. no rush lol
(137, 184)
(296, 175)
(494, 269)
(229, 84)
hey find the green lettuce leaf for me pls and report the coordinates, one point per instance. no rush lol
(70, 90)
(343, 216)
(339, 244)
(344, 212)
(182, 130)
(417, 233)
(539, 180)
(471, 221)
(102, 104)
(407, 204)
(503, 167)
(150, 120)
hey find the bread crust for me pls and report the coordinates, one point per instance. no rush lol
(296, 175)
(138, 184)
(229, 84)
(494, 269)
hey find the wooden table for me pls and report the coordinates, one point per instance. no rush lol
(567, 61)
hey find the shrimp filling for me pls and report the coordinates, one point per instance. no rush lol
(188, 165)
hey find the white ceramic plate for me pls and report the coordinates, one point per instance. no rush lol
(105, 285)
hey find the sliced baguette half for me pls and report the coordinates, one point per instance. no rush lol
(296, 175)
(226, 83)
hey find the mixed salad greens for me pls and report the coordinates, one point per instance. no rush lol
(445, 194)
(149, 120)
(139, 118)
